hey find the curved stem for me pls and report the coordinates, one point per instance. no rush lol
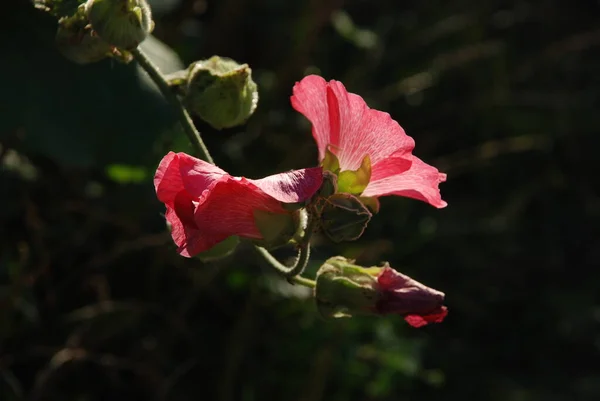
(301, 260)
(304, 281)
(184, 118)
(291, 272)
(287, 271)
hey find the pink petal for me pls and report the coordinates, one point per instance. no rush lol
(167, 180)
(394, 164)
(186, 234)
(423, 320)
(198, 175)
(390, 279)
(420, 182)
(229, 207)
(293, 186)
(187, 238)
(310, 98)
(205, 205)
(174, 171)
(344, 121)
(365, 131)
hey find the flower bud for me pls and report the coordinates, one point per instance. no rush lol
(220, 92)
(344, 217)
(121, 23)
(75, 41)
(344, 289)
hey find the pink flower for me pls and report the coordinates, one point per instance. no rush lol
(344, 124)
(206, 205)
(400, 294)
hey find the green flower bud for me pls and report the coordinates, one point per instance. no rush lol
(74, 39)
(344, 218)
(344, 289)
(220, 92)
(121, 23)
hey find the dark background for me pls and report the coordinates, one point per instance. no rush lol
(503, 96)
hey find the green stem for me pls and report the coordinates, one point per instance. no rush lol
(184, 118)
(304, 281)
(291, 272)
(301, 260)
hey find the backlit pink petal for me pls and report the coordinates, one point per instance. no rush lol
(310, 99)
(365, 131)
(167, 180)
(228, 209)
(420, 182)
(344, 122)
(292, 187)
(205, 205)
(197, 175)
(394, 164)
(174, 170)
(187, 238)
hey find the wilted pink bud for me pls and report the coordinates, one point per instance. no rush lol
(344, 289)
(400, 294)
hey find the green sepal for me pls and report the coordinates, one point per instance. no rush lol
(220, 250)
(329, 185)
(355, 182)
(331, 162)
(277, 229)
(344, 289)
(343, 217)
(371, 202)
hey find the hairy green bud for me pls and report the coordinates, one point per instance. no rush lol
(75, 40)
(121, 23)
(220, 92)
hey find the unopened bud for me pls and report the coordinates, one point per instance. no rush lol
(220, 92)
(75, 40)
(343, 217)
(121, 23)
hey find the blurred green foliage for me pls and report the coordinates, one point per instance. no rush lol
(501, 95)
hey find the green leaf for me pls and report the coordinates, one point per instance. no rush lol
(124, 174)
(371, 202)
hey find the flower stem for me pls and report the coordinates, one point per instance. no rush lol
(303, 254)
(184, 118)
(159, 79)
(304, 281)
